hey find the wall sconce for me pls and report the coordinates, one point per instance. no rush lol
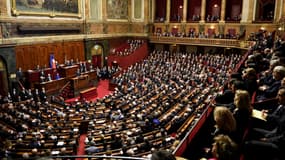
(212, 27)
(215, 5)
(262, 28)
(174, 26)
(180, 6)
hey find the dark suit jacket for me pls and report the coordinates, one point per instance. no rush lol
(242, 118)
(272, 90)
(226, 98)
(278, 118)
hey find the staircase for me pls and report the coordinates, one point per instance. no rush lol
(67, 91)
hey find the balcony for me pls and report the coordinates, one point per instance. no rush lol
(233, 43)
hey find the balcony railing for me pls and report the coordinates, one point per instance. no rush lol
(202, 41)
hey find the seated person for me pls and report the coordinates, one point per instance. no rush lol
(242, 113)
(57, 76)
(225, 122)
(250, 80)
(49, 78)
(224, 148)
(228, 96)
(162, 155)
(78, 73)
(266, 92)
(266, 77)
(268, 144)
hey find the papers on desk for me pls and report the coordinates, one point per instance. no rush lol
(258, 114)
(61, 143)
(54, 152)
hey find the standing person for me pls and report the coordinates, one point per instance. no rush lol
(20, 75)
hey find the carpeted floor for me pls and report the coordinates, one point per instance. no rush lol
(81, 147)
(102, 90)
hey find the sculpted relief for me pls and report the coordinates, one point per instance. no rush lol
(117, 9)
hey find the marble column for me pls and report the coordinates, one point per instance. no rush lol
(247, 11)
(104, 10)
(223, 11)
(203, 11)
(168, 5)
(278, 10)
(282, 9)
(145, 14)
(152, 10)
(184, 11)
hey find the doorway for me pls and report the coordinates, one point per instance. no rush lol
(97, 55)
(3, 78)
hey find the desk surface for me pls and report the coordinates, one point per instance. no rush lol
(52, 86)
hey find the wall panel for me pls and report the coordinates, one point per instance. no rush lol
(29, 56)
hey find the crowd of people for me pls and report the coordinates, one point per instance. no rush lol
(149, 109)
(261, 79)
(34, 127)
(152, 105)
(129, 48)
(159, 95)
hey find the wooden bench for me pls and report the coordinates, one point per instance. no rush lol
(88, 93)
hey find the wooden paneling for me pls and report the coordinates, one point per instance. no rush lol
(29, 56)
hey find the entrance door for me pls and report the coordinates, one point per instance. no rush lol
(97, 53)
(3, 78)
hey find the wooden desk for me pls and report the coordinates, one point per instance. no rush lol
(68, 71)
(91, 92)
(33, 76)
(80, 82)
(112, 86)
(92, 75)
(52, 86)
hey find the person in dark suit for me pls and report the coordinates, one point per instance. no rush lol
(250, 80)
(43, 95)
(20, 75)
(228, 96)
(269, 144)
(271, 91)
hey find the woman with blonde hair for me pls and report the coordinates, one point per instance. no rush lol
(242, 113)
(224, 148)
(225, 121)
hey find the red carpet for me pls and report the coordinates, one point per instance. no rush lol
(102, 90)
(81, 147)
